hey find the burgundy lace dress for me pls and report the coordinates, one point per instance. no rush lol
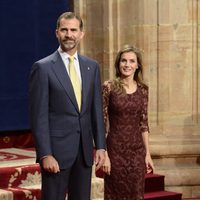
(127, 117)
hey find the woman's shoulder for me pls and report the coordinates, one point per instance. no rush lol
(144, 88)
(107, 85)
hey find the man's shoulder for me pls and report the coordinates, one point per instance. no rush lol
(45, 63)
(83, 58)
(48, 58)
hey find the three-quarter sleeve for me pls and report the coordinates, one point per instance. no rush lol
(144, 114)
(106, 95)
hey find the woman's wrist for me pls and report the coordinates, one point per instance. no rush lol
(148, 153)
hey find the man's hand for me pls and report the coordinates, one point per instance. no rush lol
(50, 164)
(99, 158)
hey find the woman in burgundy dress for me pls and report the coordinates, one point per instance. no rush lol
(125, 114)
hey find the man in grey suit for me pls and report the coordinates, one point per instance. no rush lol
(66, 126)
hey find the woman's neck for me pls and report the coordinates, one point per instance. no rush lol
(130, 85)
(129, 81)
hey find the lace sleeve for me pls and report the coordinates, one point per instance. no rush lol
(144, 114)
(106, 88)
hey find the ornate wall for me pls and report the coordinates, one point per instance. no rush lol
(168, 32)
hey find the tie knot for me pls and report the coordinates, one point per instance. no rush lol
(71, 59)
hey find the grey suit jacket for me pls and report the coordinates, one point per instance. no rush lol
(57, 125)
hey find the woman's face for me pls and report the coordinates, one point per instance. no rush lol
(128, 64)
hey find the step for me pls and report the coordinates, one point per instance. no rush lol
(97, 188)
(162, 195)
(19, 176)
(182, 174)
(185, 175)
(20, 193)
(154, 182)
(187, 191)
(10, 157)
(179, 161)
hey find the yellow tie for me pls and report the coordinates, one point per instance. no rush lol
(75, 81)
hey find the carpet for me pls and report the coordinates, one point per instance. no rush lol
(20, 176)
(14, 156)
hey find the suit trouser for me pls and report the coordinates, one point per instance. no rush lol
(76, 181)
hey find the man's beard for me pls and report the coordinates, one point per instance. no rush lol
(68, 44)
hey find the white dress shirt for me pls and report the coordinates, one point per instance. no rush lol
(65, 57)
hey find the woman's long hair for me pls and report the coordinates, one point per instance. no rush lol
(138, 76)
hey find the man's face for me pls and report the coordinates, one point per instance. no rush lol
(69, 35)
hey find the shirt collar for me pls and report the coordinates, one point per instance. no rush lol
(65, 55)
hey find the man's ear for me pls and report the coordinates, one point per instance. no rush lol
(82, 34)
(56, 33)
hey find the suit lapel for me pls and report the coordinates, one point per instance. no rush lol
(62, 75)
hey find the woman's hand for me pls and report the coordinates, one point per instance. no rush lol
(107, 164)
(149, 164)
